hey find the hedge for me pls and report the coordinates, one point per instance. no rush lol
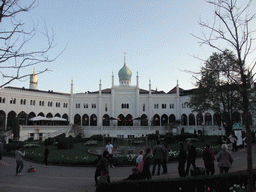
(219, 183)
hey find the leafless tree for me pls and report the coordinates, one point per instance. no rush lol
(231, 29)
(14, 41)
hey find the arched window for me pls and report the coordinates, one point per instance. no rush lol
(172, 118)
(93, 120)
(156, 120)
(208, 119)
(164, 119)
(85, 120)
(199, 119)
(105, 120)
(217, 119)
(144, 120)
(77, 119)
(184, 119)
(191, 119)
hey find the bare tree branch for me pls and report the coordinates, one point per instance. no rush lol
(14, 56)
(231, 28)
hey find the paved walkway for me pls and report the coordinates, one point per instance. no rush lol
(64, 179)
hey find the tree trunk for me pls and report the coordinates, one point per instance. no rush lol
(248, 133)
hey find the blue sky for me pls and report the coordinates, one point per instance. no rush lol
(155, 34)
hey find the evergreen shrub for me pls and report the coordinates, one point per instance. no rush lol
(97, 137)
(65, 143)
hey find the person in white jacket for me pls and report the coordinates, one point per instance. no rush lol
(18, 155)
(139, 158)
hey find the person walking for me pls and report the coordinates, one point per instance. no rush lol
(182, 160)
(110, 149)
(224, 159)
(208, 157)
(191, 156)
(46, 154)
(19, 160)
(158, 155)
(165, 158)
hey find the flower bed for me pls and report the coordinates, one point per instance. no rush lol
(91, 142)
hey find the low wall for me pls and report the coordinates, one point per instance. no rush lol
(44, 132)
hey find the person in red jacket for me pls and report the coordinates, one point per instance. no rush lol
(208, 157)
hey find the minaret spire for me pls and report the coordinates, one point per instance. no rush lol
(124, 58)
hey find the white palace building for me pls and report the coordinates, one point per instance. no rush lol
(123, 111)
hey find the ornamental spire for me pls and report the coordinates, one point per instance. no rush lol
(124, 58)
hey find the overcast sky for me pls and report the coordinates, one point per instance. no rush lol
(154, 34)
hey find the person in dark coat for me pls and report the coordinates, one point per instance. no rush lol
(191, 156)
(165, 159)
(146, 169)
(97, 171)
(46, 154)
(103, 165)
(158, 155)
(208, 157)
(182, 160)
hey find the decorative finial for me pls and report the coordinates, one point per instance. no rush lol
(124, 58)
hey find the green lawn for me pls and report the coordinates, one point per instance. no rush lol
(79, 155)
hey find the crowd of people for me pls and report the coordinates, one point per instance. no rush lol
(158, 158)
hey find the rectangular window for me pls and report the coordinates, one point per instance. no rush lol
(2, 100)
(94, 105)
(31, 135)
(125, 105)
(12, 100)
(144, 106)
(106, 107)
(163, 106)
(85, 105)
(130, 136)
(40, 136)
(155, 106)
(120, 136)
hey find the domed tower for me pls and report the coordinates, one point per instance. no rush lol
(124, 74)
(33, 80)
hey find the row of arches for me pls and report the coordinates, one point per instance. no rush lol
(121, 120)
(209, 119)
(24, 118)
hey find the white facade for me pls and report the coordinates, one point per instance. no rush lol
(122, 110)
